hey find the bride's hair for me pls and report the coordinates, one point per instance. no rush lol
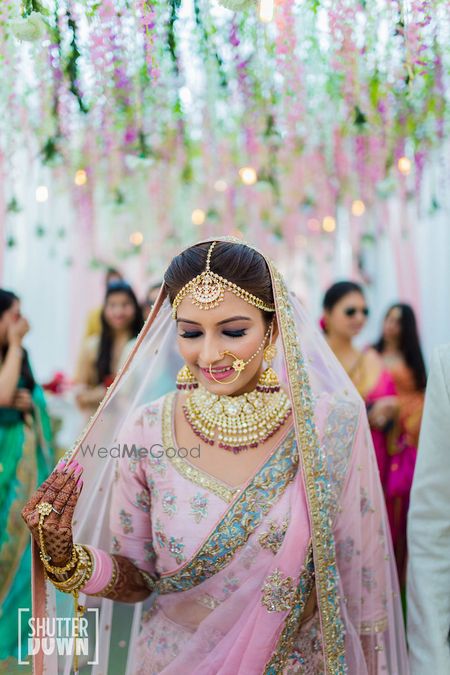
(235, 262)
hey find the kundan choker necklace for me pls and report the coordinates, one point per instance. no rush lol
(236, 422)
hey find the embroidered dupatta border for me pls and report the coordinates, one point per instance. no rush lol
(317, 488)
(239, 521)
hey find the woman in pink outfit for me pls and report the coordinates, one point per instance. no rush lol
(241, 513)
(345, 314)
(399, 347)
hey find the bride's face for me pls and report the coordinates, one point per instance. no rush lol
(204, 335)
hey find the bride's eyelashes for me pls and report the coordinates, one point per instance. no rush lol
(228, 333)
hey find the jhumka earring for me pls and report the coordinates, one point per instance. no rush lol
(268, 380)
(185, 379)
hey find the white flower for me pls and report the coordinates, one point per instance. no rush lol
(29, 29)
(237, 5)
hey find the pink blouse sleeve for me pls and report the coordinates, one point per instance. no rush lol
(130, 520)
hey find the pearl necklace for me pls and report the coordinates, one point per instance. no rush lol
(237, 422)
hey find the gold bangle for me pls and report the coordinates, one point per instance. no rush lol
(148, 580)
(111, 583)
(54, 569)
(44, 509)
(81, 575)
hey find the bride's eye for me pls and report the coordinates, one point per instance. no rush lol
(228, 333)
(235, 333)
(190, 334)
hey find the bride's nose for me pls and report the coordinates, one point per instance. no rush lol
(209, 352)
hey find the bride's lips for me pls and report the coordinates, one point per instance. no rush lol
(219, 373)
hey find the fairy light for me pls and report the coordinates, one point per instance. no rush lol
(404, 165)
(220, 185)
(41, 193)
(136, 238)
(358, 207)
(80, 177)
(198, 216)
(266, 11)
(313, 224)
(329, 224)
(248, 175)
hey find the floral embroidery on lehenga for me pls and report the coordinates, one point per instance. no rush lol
(154, 492)
(176, 547)
(149, 415)
(345, 550)
(368, 579)
(126, 521)
(208, 600)
(149, 551)
(169, 502)
(142, 501)
(199, 506)
(307, 656)
(133, 463)
(273, 538)
(115, 545)
(157, 463)
(249, 555)
(160, 535)
(365, 503)
(278, 592)
(231, 585)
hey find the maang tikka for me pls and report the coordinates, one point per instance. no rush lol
(208, 288)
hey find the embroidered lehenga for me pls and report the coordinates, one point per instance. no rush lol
(291, 572)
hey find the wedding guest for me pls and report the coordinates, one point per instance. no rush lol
(101, 355)
(399, 347)
(150, 298)
(26, 457)
(345, 315)
(93, 321)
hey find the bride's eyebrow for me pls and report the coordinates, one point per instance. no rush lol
(219, 323)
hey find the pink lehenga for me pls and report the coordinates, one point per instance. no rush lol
(291, 572)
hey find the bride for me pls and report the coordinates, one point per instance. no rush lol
(240, 513)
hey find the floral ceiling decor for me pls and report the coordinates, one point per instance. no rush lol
(185, 117)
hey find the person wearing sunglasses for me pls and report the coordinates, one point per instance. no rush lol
(345, 315)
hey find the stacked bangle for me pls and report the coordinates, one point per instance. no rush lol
(81, 574)
(53, 569)
(111, 583)
(149, 581)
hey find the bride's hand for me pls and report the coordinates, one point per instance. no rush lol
(61, 489)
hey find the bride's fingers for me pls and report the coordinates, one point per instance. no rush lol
(59, 482)
(65, 493)
(67, 515)
(41, 490)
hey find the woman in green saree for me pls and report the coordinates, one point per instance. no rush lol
(25, 459)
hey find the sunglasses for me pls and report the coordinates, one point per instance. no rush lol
(351, 311)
